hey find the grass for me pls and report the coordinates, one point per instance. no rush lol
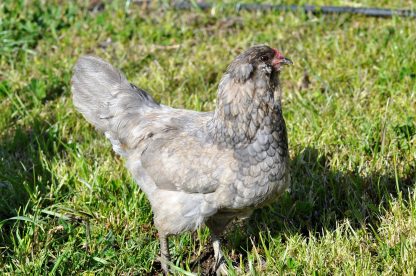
(68, 206)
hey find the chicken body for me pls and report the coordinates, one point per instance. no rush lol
(195, 167)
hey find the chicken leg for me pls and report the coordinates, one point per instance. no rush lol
(220, 267)
(216, 227)
(164, 252)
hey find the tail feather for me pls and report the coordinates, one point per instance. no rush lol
(107, 100)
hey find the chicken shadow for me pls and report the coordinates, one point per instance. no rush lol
(320, 198)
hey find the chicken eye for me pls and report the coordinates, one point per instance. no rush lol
(264, 58)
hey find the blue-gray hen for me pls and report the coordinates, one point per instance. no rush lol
(195, 167)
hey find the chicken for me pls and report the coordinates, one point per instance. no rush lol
(195, 168)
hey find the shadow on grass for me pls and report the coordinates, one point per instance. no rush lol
(319, 199)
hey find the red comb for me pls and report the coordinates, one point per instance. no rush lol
(278, 54)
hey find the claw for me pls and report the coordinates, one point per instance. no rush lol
(221, 269)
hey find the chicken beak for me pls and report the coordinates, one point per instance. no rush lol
(286, 61)
(282, 61)
(279, 61)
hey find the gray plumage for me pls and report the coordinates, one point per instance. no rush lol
(195, 167)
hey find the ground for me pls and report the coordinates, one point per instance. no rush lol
(68, 206)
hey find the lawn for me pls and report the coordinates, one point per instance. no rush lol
(68, 206)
